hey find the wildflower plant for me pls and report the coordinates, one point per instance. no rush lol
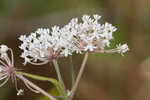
(49, 45)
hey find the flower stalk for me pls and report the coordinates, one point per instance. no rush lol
(58, 73)
(58, 85)
(78, 77)
(36, 87)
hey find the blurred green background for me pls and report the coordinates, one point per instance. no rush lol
(107, 76)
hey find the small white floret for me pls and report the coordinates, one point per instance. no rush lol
(122, 48)
(3, 49)
(20, 92)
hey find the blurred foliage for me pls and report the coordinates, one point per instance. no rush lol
(4, 92)
(32, 8)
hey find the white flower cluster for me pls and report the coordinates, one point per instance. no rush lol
(44, 45)
(86, 36)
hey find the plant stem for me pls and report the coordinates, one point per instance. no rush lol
(58, 73)
(36, 87)
(58, 85)
(72, 70)
(78, 77)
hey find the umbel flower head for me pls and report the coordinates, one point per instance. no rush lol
(45, 44)
(8, 71)
(86, 36)
(91, 35)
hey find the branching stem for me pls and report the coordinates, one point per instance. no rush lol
(36, 87)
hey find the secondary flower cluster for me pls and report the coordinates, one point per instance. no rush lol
(86, 36)
(7, 70)
(7, 65)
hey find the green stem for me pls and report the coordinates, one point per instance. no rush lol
(35, 87)
(72, 70)
(41, 78)
(58, 72)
